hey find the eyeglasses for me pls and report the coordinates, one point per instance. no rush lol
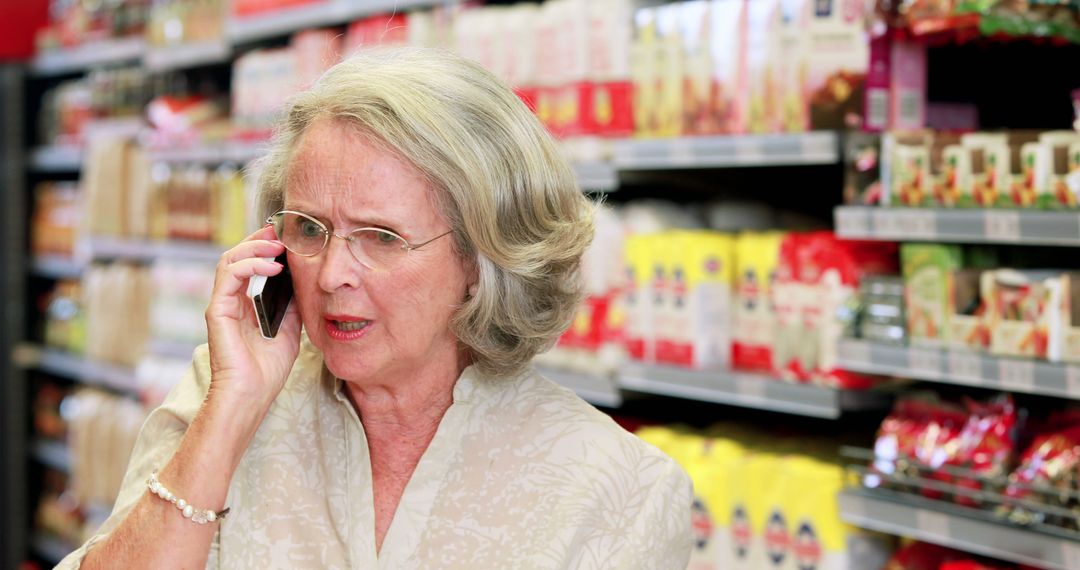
(375, 248)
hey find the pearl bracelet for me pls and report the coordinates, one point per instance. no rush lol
(200, 516)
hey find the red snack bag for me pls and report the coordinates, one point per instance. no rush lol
(987, 443)
(971, 565)
(1052, 461)
(921, 556)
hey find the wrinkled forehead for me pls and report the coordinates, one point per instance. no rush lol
(337, 166)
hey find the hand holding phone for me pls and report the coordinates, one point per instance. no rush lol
(271, 297)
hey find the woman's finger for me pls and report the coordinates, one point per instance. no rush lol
(252, 248)
(233, 278)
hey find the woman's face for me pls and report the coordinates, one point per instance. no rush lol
(372, 325)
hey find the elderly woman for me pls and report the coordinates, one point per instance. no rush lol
(434, 234)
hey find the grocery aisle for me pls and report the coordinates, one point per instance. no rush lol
(833, 274)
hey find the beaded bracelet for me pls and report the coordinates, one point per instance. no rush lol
(200, 516)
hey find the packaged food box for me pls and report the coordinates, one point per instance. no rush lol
(727, 51)
(694, 23)
(1024, 311)
(1055, 162)
(967, 327)
(838, 56)
(644, 71)
(910, 182)
(640, 297)
(669, 63)
(763, 96)
(792, 71)
(928, 271)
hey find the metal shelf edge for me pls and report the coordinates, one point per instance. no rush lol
(595, 389)
(966, 533)
(82, 57)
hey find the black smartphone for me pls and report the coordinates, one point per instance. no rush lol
(271, 297)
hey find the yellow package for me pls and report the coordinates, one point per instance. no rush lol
(713, 494)
(818, 538)
(751, 478)
(639, 298)
(757, 256)
(697, 307)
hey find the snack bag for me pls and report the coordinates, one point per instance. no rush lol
(1024, 312)
(714, 493)
(987, 444)
(1052, 461)
(727, 54)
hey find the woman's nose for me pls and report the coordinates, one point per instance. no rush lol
(339, 267)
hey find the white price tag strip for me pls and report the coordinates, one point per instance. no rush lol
(1072, 381)
(680, 151)
(932, 523)
(751, 388)
(1016, 375)
(887, 223)
(1002, 226)
(965, 366)
(749, 151)
(918, 225)
(925, 362)
(852, 223)
(1070, 553)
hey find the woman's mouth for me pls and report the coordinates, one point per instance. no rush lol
(346, 328)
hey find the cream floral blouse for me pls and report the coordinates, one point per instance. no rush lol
(521, 474)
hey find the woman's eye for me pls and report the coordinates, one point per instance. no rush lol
(310, 229)
(387, 238)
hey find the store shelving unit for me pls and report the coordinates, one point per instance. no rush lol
(74, 60)
(748, 391)
(962, 367)
(101, 247)
(313, 15)
(52, 549)
(812, 148)
(89, 372)
(187, 55)
(1022, 227)
(52, 454)
(56, 159)
(957, 527)
(55, 267)
(599, 390)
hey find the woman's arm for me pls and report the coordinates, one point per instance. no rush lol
(246, 373)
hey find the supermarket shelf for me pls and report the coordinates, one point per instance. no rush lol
(56, 267)
(957, 527)
(747, 390)
(50, 548)
(187, 55)
(238, 152)
(101, 247)
(596, 176)
(595, 389)
(962, 367)
(960, 226)
(52, 454)
(58, 158)
(332, 12)
(172, 349)
(73, 366)
(106, 52)
(819, 147)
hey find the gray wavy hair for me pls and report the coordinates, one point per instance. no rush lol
(501, 182)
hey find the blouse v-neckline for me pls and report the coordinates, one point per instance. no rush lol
(414, 508)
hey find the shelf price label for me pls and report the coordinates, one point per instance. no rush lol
(887, 223)
(917, 225)
(1072, 381)
(924, 362)
(852, 222)
(1002, 226)
(965, 367)
(680, 151)
(751, 388)
(932, 523)
(1070, 554)
(749, 150)
(1018, 375)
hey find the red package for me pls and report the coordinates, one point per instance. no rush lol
(987, 444)
(1052, 461)
(922, 556)
(972, 565)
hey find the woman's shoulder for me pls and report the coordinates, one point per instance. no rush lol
(538, 411)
